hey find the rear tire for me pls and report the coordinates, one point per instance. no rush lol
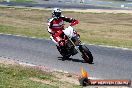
(63, 52)
(86, 54)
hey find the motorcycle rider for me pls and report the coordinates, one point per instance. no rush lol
(56, 25)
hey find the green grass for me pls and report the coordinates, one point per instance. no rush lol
(15, 76)
(18, 77)
(94, 28)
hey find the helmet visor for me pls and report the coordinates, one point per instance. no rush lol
(57, 14)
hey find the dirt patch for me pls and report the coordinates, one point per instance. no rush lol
(7, 61)
(67, 77)
(41, 81)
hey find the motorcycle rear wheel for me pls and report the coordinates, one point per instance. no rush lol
(65, 56)
(86, 54)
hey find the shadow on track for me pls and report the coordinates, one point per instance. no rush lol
(71, 59)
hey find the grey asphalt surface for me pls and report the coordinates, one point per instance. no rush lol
(60, 5)
(105, 3)
(75, 4)
(109, 63)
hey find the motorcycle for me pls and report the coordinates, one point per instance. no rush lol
(73, 45)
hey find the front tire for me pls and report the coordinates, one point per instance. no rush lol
(86, 54)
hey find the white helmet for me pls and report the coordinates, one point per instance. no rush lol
(56, 13)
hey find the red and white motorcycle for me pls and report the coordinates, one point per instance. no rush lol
(73, 45)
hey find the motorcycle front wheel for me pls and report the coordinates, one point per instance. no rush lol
(86, 54)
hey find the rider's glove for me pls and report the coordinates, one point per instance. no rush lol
(74, 23)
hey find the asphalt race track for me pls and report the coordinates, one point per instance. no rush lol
(60, 5)
(109, 63)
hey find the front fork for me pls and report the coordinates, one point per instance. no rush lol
(76, 47)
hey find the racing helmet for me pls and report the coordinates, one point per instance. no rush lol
(56, 13)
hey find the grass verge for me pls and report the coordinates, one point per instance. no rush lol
(16, 76)
(94, 28)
